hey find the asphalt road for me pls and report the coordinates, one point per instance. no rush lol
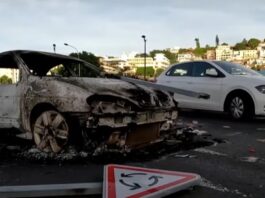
(234, 168)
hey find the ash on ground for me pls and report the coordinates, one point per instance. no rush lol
(185, 137)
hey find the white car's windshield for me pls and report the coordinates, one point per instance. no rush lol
(235, 69)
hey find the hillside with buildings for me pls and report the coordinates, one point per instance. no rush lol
(250, 53)
(132, 64)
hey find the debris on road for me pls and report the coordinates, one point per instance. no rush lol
(184, 156)
(233, 134)
(251, 149)
(260, 129)
(261, 140)
(250, 159)
(208, 151)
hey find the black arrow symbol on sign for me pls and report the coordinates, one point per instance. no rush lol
(131, 174)
(155, 178)
(133, 186)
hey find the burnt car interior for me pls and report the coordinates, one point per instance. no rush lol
(46, 64)
(9, 65)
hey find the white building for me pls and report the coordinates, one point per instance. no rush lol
(184, 57)
(261, 53)
(174, 50)
(224, 52)
(261, 50)
(161, 61)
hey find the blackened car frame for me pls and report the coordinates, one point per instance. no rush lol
(51, 105)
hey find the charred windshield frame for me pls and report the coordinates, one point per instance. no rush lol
(40, 63)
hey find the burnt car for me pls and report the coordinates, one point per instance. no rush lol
(56, 99)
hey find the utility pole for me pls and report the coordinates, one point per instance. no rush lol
(144, 37)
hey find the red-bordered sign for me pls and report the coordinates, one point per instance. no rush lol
(133, 182)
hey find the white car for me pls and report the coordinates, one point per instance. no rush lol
(231, 87)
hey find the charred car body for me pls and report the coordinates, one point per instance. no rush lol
(49, 103)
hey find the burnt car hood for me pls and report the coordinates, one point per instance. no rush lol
(137, 94)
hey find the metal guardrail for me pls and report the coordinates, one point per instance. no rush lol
(51, 190)
(167, 88)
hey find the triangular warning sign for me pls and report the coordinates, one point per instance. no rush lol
(133, 182)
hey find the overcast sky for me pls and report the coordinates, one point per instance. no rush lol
(111, 27)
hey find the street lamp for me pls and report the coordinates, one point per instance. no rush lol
(54, 48)
(66, 44)
(144, 37)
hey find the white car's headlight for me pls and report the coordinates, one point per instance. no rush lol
(261, 89)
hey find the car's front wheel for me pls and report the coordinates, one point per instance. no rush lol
(51, 131)
(240, 107)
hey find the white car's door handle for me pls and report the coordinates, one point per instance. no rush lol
(189, 83)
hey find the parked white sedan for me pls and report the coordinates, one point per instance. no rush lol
(232, 87)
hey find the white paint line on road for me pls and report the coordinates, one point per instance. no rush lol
(51, 190)
(208, 184)
(207, 151)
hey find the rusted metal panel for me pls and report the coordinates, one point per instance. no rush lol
(143, 134)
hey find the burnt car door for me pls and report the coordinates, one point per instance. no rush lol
(10, 89)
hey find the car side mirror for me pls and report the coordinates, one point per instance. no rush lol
(211, 72)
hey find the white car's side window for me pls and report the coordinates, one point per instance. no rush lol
(180, 70)
(200, 68)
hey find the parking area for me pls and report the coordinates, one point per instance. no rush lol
(231, 165)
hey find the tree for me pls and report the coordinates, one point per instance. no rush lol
(88, 57)
(253, 43)
(245, 41)
(216, 40)
(142, 55)
(240, 46)
(5, 80)
(197, 43)
(200, 51)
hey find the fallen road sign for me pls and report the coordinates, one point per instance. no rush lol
(133, 182)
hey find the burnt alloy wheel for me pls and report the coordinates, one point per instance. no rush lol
(51, 131)
(240, 107)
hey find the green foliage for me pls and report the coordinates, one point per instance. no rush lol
(5, 80)
(184, 50)
(244, 44)
(149, 71)
(199, 51)
(88, 57)
(240, 46)
(159, 71)
(253, 43)
(140, 55)
(171, 57)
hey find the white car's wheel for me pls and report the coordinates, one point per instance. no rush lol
(240, 107)
(51, 131)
